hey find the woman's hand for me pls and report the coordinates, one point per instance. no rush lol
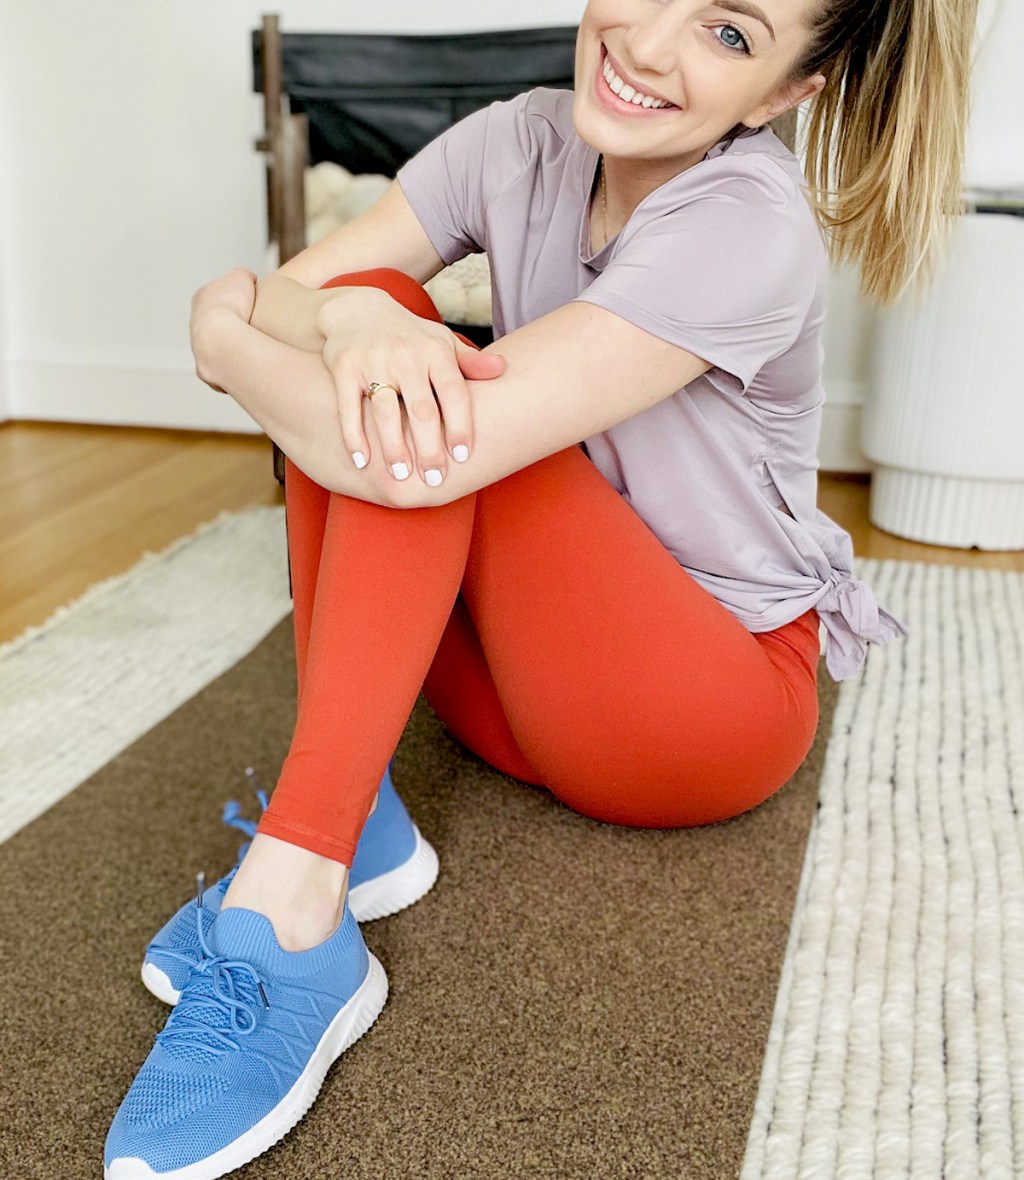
(368, 336)
(233, 293)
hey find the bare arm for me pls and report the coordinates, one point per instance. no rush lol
(570, 374)
(292, 396)
(357, 347)
(388, 234)
(287, 311)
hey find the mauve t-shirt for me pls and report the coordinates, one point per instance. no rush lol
(725, 260)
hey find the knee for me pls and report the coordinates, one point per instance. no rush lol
(401, 287)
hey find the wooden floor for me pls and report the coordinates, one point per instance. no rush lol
(81, 503)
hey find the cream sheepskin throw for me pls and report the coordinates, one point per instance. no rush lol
(334, 196)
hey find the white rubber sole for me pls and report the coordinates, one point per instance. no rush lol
(351, 1022)
(159, 984)
(393, 891)
(377, 898)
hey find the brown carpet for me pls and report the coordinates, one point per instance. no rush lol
(572, 1000)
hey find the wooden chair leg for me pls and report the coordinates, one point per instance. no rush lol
(269, 144)
(292, 158)
(285, 143)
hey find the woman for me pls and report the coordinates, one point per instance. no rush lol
(594, 545)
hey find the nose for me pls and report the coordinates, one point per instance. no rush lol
(651, 43)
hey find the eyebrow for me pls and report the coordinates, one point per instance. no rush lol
(747, 10)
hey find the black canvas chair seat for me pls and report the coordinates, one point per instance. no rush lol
(373, 100)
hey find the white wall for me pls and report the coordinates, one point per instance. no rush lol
(130, 179)
(994, 157)
(4, 399)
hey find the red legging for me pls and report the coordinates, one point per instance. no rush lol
(551, 632)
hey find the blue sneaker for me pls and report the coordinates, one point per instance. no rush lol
(393, 867)
(243, 1055)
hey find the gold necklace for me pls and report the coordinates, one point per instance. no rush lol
(604, 206)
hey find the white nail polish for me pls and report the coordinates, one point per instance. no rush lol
(460, 453)
(433, 476)
(400, 470)
(359, 459)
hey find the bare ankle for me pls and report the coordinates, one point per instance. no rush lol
(302, 894)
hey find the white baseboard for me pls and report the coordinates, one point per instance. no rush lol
(170, 397)
(120, 395)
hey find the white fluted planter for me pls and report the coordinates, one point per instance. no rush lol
(944, 414)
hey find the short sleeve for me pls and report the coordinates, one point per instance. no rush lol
(450, 182)
(729, 274)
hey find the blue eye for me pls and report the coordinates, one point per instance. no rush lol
(742, 46)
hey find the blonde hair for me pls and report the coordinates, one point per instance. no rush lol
(885, 137)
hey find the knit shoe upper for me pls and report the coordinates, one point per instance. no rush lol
(176, 946)
(393, 867)
(243, 1054)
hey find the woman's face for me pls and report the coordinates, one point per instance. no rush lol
(717, 64)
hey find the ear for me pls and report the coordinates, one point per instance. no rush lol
(787, 96)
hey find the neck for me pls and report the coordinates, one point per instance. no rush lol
(627, 182)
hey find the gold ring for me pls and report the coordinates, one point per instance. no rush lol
(377, 386)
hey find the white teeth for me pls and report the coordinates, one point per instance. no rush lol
(628, 94)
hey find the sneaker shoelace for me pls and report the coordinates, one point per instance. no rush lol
(234, 819)
(232, 814)
(190, 956)
(225, 1009)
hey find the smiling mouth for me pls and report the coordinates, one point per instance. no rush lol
(625, 92)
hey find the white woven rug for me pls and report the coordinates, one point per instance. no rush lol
(80, 688)
(897, 1046)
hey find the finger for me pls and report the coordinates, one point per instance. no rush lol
(456, 408)
(480, 366)
(424, 418)
(387, 415)
(349, 388)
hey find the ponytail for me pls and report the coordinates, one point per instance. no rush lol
(885, 137)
